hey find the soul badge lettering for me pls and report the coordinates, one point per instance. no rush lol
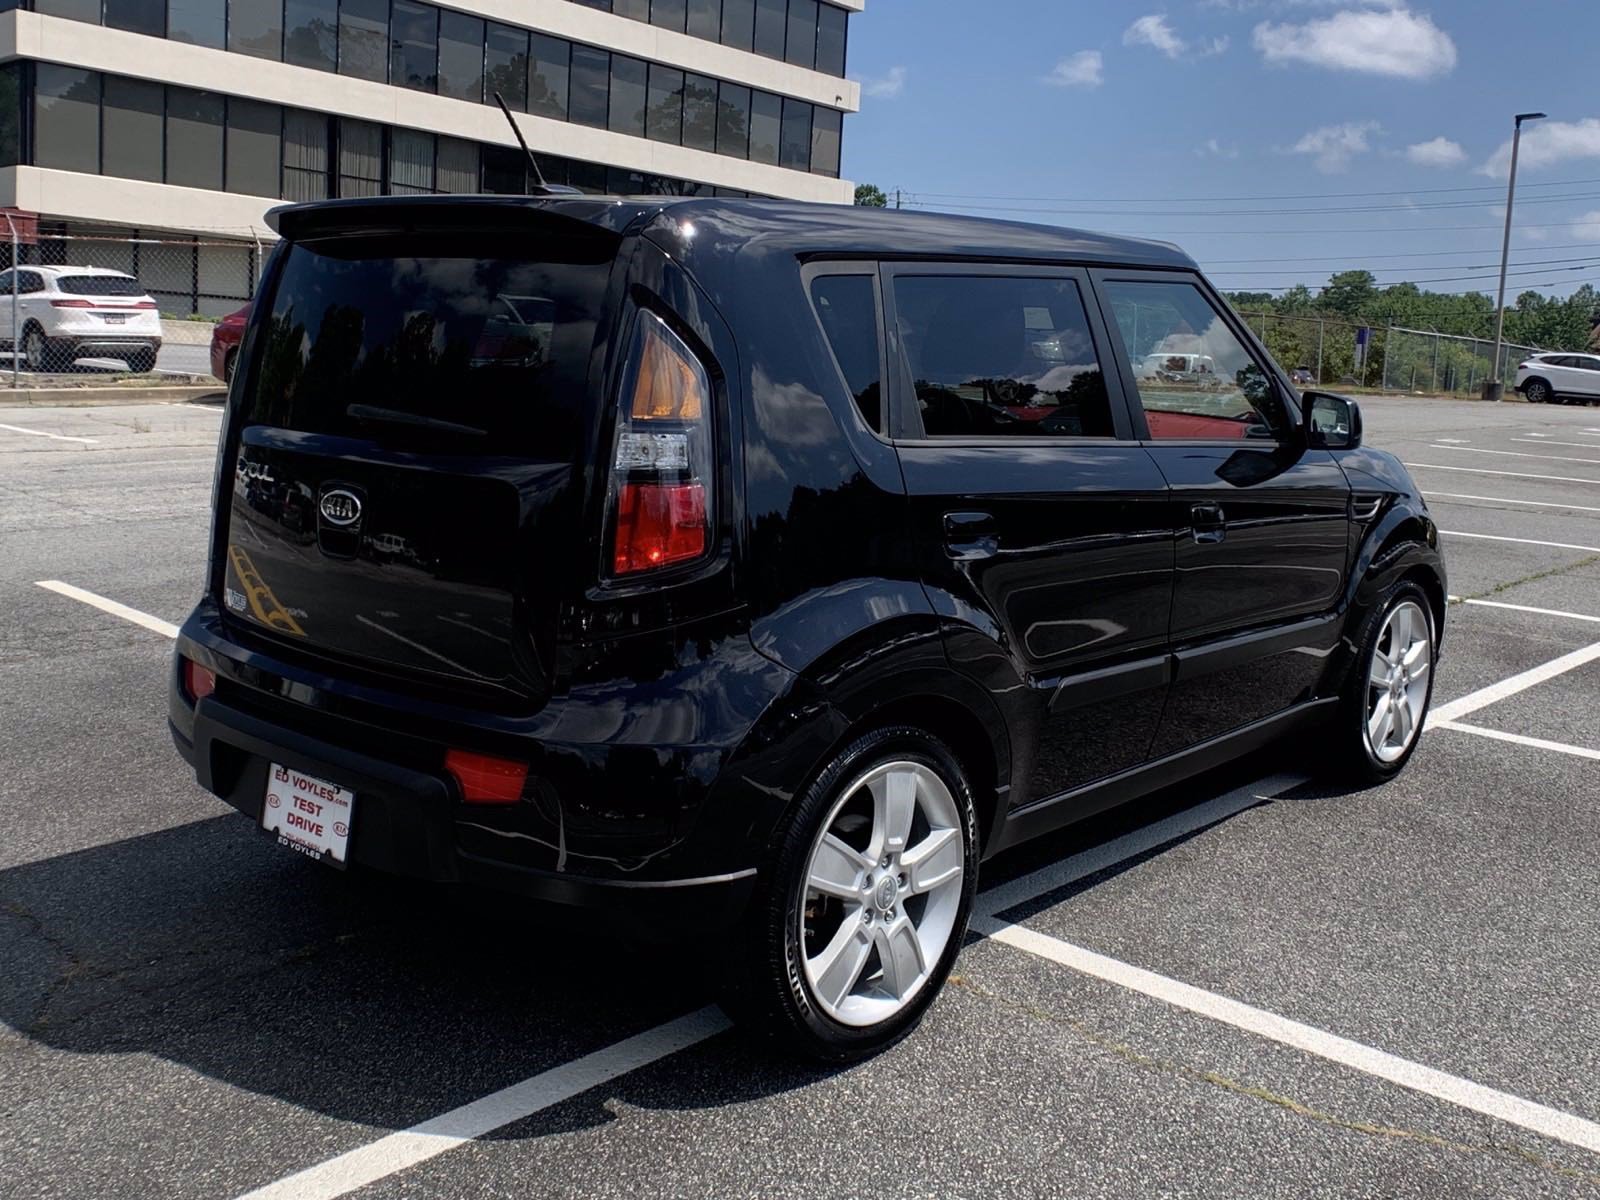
(309, 815)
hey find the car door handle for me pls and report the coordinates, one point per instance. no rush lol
(1207, 524)
(970, 535)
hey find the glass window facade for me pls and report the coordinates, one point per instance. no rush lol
(794, 146)
(766, 127)
(66, 118)
(800, 46)
(627, 100)
(364, 39)
(132, 123)
(255, 27)
(254, 148)
(807, 33)
(306, 147)
(194, 138)
(506, 65)
(772, 22)
(733, 120)
(411, 163)
(669, 14)
(705, 19)
(311, 33)
(664, 116)
(360, 158)
(414, 45)
(461, 56)
(137, 16)
(549, 76)
(699, 112)
(198, 22)
(591, 86)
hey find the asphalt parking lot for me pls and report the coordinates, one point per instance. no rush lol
(1256, 985)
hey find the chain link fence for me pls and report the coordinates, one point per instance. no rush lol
(1442, 364)
(98, 304)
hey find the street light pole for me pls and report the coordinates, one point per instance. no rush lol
(1495, 388)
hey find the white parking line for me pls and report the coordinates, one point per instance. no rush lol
(55, 437)
(154, 624)
(1495, 692)
(1525, 608)
(1518, 739)
(1433, 495)
(377, 1160)
(1517, 454)
(1496, 537)
(1514, 1110)
(1415, 466)
(1544, 439)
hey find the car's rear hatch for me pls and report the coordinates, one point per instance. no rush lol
(406, 489)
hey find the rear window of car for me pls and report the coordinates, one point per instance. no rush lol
(100, 285)
(434, 344)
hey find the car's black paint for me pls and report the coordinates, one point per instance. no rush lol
(1046, 609)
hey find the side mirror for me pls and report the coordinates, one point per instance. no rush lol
(1332, 422)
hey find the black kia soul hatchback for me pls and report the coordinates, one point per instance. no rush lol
(772, 564)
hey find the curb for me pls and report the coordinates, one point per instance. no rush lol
(89, 397)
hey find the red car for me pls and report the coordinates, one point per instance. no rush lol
(225, 339)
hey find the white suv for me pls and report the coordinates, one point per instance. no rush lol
(68, 313)
(1560, 378)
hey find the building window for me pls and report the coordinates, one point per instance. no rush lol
(76, 10)
(733, 120)
(549, 76)
(360, 158)
(11, 110)
(505, 171)
(457, 166)
(410, 163)
(699, 112)
(198, 22)
(506, 62)
(460, 56)
(766, 127)
(634, 10)
(705, 19)
(832, 24)
(132, 123)
(591, 83)
(794, 146)
(664, 118)
(770, 21)
(255, 27)
(305, 155)
(668, 14)
(801, 46)
(311, 34)
(414, 45)
(826, 128)
(364, 39)
(194, 139)
(255, 148)
(738, 23)
(138, 16)
(628, 77)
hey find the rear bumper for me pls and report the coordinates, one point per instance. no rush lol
(110, 344)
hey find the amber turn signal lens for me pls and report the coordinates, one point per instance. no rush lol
(666, 388)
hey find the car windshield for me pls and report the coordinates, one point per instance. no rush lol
(100, 285)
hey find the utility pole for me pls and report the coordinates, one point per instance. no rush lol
(897, 197)
(1495, 388)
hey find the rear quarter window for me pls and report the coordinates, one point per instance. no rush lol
(438, 345)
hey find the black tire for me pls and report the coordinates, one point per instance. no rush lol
(1536, 391)
(1351, 755)
(229, 365)
(142, 362)
(766, 988)
(45, 354)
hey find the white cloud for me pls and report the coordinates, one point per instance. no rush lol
(1333, 146)
(1390, 41)
(1212, 148)
(1157, 32)
(888, 87)
(1084, 69)
(1546, 143)
(1440, 152)
(1587, 227)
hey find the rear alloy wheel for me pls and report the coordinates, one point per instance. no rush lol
(1537, 391)
(142, 362)
(38, 352)
(867, 900)
(1387, 700)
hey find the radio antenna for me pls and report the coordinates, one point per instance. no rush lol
(521, 141)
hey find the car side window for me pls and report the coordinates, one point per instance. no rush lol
(1001, 356)
(32, 282)
(5, 283)
(847, 306)
(1194, 377)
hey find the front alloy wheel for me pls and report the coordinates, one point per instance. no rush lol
(1397, 682)
(882, 893)
(34, 350)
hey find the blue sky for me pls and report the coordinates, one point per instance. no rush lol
(1003, 106)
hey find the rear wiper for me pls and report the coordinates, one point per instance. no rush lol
(393, 416)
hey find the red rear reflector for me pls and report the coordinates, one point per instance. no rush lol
(659, 524)
(198, 681)
(485, 779)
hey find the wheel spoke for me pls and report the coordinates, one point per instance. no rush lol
(1378, 675)
(900, 952)
(837, 968)
(1381, 722)
(894, 801)
(1416, 653)
(836, 869)
(1399, 631)
(935, 860)
(1403, 721)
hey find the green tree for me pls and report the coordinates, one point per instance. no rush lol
(1350, 292)
(870, 195)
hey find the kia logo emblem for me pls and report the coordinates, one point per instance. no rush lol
(340, 507)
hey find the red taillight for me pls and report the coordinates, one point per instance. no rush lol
(72, 304)
(659, 524)
(485, 779)
(145, 304)
(198, 681)
(660, 508)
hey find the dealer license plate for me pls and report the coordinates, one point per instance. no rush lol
(114, 318)
(308, 814)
